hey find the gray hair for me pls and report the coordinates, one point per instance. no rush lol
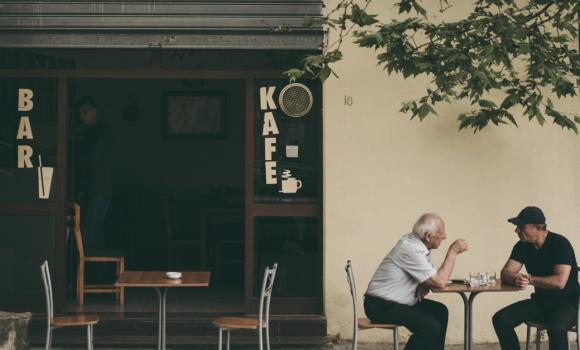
(426, 223)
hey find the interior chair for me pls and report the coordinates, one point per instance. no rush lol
(261, 323)
(55, 322)
(97, 256)
(540, 327)
(363, 322)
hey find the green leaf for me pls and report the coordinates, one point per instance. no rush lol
(487, 104)
(361, 18)
(324, 73)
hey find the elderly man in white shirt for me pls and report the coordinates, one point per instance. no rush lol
(395, 293)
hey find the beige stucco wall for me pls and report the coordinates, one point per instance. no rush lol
(381, 171)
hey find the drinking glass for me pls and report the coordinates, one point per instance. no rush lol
(491, 276)
(483, 278)
(474, 279)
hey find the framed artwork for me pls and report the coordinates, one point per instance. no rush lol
(194, 114)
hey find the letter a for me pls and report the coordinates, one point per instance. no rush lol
(270, 125)
(267, 98)
(25, 103)
(24, 129)
(24, 155)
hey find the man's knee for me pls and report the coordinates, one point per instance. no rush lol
(440, 311)
(500, 319)
(431, 327)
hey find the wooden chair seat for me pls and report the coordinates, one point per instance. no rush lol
(365, 323)
(79, 320)
(237, 323)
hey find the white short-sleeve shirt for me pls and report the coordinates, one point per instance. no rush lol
(406, 266)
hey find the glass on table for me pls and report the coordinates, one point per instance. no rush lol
(483, 278)
(474, 279)
(491, 277)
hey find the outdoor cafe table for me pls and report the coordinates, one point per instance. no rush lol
(162, 284)
(462, 289)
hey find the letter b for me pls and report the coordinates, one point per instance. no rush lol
(25, 103)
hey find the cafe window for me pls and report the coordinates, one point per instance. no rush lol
(28, 139)
(295, 244)
(287, 136)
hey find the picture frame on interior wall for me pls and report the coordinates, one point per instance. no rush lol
(194, 115)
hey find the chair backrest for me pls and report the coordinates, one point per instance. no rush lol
(77, 230)
(352, 286)
(266, 293)
(45, 272)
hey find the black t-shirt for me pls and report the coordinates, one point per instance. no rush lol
(556, 250)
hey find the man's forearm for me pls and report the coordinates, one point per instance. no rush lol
(509, 276)
(446, 268)
(547, 282)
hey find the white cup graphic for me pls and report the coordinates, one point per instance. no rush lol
(291, 185)
(44, 181)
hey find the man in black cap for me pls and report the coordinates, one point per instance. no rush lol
(552, 269)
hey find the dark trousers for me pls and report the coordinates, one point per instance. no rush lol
(427, 320)
(94, 212)
(557, 315)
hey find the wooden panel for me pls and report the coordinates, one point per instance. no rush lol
(27, 240)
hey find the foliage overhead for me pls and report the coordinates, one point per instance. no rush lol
(520, 52)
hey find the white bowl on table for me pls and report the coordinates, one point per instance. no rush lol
(173, 275)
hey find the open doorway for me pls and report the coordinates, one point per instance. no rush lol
(177, 202)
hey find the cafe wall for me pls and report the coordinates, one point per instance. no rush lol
(382, 171)
(145, 158)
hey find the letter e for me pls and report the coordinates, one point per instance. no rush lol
(271, 173)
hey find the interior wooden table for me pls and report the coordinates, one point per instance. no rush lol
(462, 289)
(162, 284)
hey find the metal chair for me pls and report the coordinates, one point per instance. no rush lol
(260, 323)
(363, 322)
(540, 327)
(55, 322)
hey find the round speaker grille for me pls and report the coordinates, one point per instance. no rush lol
(295, 100)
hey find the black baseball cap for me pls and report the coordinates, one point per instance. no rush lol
(529, 215)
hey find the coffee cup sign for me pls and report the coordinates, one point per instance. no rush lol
(270, 132)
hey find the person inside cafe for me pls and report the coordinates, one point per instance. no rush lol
(94, 191)
(397, 289)
(551, 268)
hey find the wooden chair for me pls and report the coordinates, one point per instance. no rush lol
(98, 256)
(363, 322)
(540, 327)
(260, 323)
(55, 322)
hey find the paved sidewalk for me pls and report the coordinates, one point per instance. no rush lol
(341, 346)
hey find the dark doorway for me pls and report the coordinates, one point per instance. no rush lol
(178, 185)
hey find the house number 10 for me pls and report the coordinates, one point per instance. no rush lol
(347, 100)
